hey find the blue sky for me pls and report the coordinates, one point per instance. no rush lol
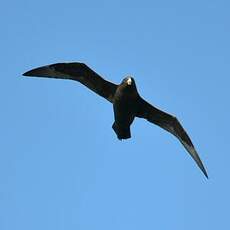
(61, 166)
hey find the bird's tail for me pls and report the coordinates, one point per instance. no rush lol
(122, 132)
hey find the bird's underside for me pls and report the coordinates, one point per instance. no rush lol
(126, 102)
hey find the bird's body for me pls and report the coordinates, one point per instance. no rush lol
(125, 108)
(127, 103)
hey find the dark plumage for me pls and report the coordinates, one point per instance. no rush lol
(127, 103)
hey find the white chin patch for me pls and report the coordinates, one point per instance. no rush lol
(129, 81)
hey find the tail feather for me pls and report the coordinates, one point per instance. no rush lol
(122, 132)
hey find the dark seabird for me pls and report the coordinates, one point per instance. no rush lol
(127, 103)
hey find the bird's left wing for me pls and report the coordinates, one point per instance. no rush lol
(172, 125)
(79, 72)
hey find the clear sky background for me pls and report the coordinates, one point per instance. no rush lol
(61, 165)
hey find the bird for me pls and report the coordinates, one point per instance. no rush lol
(126, 101)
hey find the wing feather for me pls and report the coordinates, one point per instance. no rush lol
(79, 72)
(172, 125)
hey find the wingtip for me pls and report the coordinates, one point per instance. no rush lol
(201, 166)
(206, 174)
(26, 73)
(193, 153)
(32, 72)
(40, 72)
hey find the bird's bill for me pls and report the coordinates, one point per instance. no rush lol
(129, 81)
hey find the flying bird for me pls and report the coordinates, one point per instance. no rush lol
(127, 103)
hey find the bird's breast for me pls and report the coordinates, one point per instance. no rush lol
(125, 107)
(125, 99)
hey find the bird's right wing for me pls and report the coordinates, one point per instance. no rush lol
(78, 72)
(172, 125)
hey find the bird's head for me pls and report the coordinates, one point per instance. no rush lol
(129, 81)
(128, 84)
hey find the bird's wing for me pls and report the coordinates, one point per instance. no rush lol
(172, 125)
(78, 72)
